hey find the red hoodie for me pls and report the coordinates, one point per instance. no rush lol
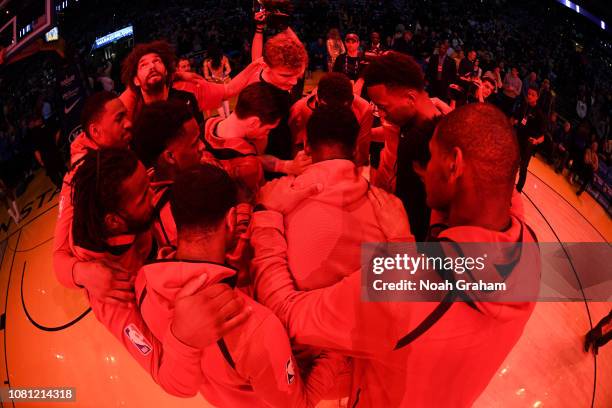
(302, 110)
(168, 360)
(63, 259)
(208, 95)
(253, 365)
(448, 366)
(324, 232)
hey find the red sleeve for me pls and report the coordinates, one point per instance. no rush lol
(275, 376)
(297, 123)
(332, 318)
(362, 150)
(172, 364)
(63, 258)
(210, 95)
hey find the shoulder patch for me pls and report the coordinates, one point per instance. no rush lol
(137, 339)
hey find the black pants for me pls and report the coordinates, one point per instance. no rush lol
(526, 153)
(587, 177)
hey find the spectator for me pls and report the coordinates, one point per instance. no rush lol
(217, 69)
(562, 141)
(512, 89)
(441, 72)
(376, 47)
(591, 165)
(335, 47)
(44, 141)
(350, 63)
(552, 127)
(530, 81)
(404, 44)
(184, 65)
(547, 97)
(7, 197)
(318, 55)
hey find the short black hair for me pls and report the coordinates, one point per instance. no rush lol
(129, 66)
(395, 70)
(261, 100)
(201, 197)
(156, 126)
(96, 192)
(487, 141)
(333, 125)
(335, 88)
(94, 108)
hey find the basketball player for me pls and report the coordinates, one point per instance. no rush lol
(251, 366)
(470, 178)
(334, 89)
(111, 224)
(105, 125)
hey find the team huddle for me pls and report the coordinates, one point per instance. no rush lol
(224, 254)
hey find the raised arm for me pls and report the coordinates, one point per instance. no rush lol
(257, 45)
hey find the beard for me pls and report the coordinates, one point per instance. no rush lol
(138, 226)
(156, 86)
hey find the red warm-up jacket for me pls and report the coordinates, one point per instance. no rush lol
(252, 366)
(447, 366)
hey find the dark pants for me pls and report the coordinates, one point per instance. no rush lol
(587, 177)
(526, 153)
(560, 157)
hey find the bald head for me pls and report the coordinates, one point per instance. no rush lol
(486, 138)
(474, 147)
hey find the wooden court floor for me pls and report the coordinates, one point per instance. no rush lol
(48, 339)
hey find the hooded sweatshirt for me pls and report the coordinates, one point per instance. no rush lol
(166, 359)
(252, 366)
(447, 366)
(325, 232)
(302, 110)
(63, 258)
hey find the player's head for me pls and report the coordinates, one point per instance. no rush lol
(335, 89)
(105, 120)
(148, 67)
(394, 82)
(202, 201)
(259, 109)
(473, 151)
(167, 137)
(331, 133)
(286, 59)
(111, 196)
